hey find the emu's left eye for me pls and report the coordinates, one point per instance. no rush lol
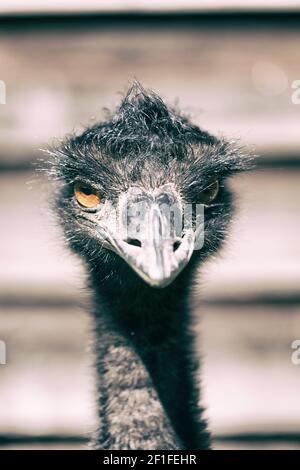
(86, 195)
(210, 193)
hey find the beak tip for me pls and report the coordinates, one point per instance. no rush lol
(157, 281)
(158, 284)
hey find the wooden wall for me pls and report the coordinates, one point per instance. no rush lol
(234, 75)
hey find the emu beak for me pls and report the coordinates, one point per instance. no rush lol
(152, 252)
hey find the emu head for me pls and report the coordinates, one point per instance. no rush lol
(145, 188)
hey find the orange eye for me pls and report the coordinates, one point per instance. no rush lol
(86, 195)
(210, 193)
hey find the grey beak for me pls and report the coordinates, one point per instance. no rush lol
(159, 257)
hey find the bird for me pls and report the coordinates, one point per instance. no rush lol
(124, 188)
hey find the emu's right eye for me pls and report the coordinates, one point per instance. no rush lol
(86, 196)
(210, 193)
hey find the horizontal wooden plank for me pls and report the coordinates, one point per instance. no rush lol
(234, 81)
(250, 385)
(18, 6)
(260, 259)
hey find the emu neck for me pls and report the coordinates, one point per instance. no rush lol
(148, 370)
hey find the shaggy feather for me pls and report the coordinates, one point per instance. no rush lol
(148, 389)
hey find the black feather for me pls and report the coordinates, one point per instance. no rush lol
(147, 365)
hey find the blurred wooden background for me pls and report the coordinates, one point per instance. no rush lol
(234, 75)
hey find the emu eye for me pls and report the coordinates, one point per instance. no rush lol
(86, 195)
(210, 193)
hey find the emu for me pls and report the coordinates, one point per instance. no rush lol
(145, 154)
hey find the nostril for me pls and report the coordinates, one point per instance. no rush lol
(134, 242)
(176, 245)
